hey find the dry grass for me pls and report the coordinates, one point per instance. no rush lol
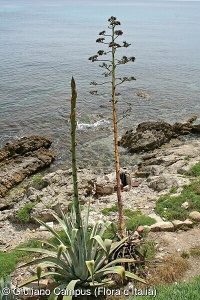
(195, 251)
(170, 270)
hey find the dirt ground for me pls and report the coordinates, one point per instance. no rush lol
(177, 244)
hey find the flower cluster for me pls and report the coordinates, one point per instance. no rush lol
(113, 44)
(100, 40)
(126, 59)
(118, 32)
(113, 21)
(93, 58)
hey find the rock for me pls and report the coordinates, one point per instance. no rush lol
(177, 224)
(195, 215)
(196, 129)
(140, 229)
(162, 182)
(126, 188)
(21, 159)
(156, 217)
(104, 189)
(135, 183)
(155, 227)
(185, 205)
(162, 226)
(148, 136)
(188, 223)
(152, 135)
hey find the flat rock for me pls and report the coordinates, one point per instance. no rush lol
(195, 215)
(156, 217)
(177, 224)
(162, 226)
(21, 159)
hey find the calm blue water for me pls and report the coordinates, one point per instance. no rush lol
(44, 42)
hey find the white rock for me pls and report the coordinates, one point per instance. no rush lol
(185, 205)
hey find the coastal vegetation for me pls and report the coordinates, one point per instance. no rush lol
(135, 217)
(83, 261)
(170, 206)
(23, 215)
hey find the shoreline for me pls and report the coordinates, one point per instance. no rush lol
(57, 189)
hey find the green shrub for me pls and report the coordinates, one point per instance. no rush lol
(147, 249)
(9, 260)
(133, 223)
(173, 189)
(39, 182)
(185, 254)
(132, 213)
(106, 211)
(194, 171)
(170, 208)
(23, 214)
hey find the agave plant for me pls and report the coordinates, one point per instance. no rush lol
(83, 262)
(5, 289)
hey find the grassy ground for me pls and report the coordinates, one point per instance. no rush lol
(180, 291)
(9, 260)
(169, 206)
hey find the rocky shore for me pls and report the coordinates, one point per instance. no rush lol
(159, 171)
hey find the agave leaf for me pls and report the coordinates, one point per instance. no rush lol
(84, 274)
(73, 237)
(108, 244)
(100, 227)
(51, 229)
(39, 250)
(85, 230)
(61, 248)
(116, 270)
(100, 259)
(70, 287)
(39, 272)
(81, 250)
(115, 245)
(53, 296)
(64, 226)
(52, 261)
(73, 258)
(91, 241)
(33, 278)
(121, 260)
(90, 266)
(53, 245)
(100, 242)
(133, 276)
(87, 219)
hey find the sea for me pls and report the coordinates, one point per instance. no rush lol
(43, 43)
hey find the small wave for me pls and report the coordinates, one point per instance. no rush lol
(85, 126)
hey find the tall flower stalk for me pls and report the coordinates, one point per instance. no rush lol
(76, 203)
(110, 66)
